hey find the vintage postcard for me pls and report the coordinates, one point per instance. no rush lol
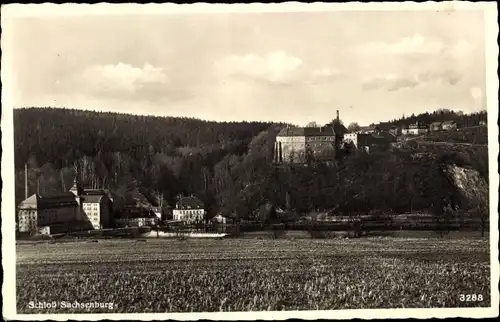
(249, 161)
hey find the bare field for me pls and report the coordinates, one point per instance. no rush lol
(243, 275)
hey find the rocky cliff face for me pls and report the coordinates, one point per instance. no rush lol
(470, 185)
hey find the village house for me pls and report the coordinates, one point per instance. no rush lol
(189, 210)
(43, 210)
(449, 125)
(158, 212)
(395, 130)
(370, 142)
(416, 129)
(94, 206)
(219, 219)
(133, 216)
(368, 129)
(78, 209)
(380, 128)
(300, 144)
(436, 126)
(134, 209)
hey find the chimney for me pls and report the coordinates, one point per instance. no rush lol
(26, 181)
(338, 118)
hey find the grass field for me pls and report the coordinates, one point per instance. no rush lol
(243, 274)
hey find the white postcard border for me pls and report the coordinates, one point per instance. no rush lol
(13, 11)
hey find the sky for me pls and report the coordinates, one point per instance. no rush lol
(294, 67)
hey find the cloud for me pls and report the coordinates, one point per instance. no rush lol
(123, 81)
(394, 82)
(390, 83)
(277, 67)
(325, 72)
(449, 76)
(416, 46)
(123, 77)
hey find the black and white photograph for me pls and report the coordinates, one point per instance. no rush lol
(249, 161)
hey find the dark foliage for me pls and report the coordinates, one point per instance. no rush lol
(227, 165)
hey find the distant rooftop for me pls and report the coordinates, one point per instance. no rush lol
(97, 198)
(39, 201)
(189, 203)
(313, 131)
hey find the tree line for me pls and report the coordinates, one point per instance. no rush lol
(227, 165)
(441, 115)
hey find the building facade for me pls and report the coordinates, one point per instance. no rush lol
(189, 210)
(436, 126)
(77, 205)
(134, 219)
(370, 142)
(304, 144)
(449, 125)
(416, 129)
(352, 138)
(94, 206)
(43, 210)
(395, 130)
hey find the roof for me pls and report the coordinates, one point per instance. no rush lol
(93, 195)
(448, 122)
(57, 200)
(93, 198)
(368, 139)
(436, 123)
(328, 130)
(306, 131)
(418, 126)
(94, 192)
(386, 126)
(189, 203)
(31, 202)
(37, 201)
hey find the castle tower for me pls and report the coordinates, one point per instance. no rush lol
(76, 190)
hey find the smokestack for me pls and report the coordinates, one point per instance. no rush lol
(25, 181)
(338, 118)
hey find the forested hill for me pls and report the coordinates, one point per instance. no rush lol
(61, 136)
(122, 151)
(462, 120)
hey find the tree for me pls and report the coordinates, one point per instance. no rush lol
(312, 124)
(335, 121)
(353, 127)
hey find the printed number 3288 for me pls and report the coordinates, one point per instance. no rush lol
(471, 297)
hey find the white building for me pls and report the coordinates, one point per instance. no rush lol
(41, 210)
(94, 206)
(352, 138)
(219, 219)
(449, 125)
(189, 210)
(158, 212)
(415, 129)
